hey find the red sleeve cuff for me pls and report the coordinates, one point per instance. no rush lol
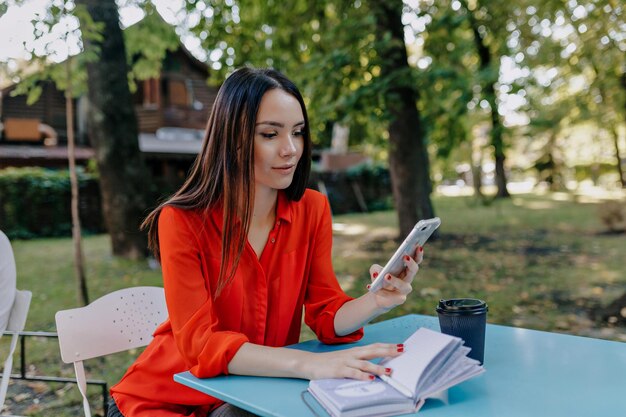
(324, 326)
(220, 349)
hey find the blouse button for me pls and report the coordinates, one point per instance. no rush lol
(273, 240)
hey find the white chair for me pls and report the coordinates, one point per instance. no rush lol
(115, 322)
(17, 320)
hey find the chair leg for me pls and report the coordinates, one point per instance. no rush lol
(21, 372)
(82, 385)
(6, 374)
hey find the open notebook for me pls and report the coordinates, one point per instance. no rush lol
(431, 363)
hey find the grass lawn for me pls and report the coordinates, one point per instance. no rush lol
(540, 261)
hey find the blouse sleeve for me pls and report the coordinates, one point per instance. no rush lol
(205, 349)
(324, 296)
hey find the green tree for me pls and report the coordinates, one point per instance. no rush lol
(102, 65)
(581, 46)
(550, 111)
(351, 61)
(113, 132)
(66, 78)
(448, 81)
(465, 42)
(408, 155)
(487, 20)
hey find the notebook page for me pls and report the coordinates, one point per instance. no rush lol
(466, 369)
(420, 350)
(447, 370)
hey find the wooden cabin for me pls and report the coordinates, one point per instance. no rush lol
(179, 98)
(172, 111)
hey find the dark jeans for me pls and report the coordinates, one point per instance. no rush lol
(113, 410)
(225, 410)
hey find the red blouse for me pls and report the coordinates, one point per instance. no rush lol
(262, 305)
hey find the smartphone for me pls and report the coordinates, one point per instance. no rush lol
(418, 236)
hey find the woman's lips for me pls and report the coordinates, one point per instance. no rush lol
(285, 169)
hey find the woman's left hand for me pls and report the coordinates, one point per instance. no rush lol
(396, 288)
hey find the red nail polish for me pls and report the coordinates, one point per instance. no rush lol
(400, 345)
(388, 370)
(407, 257)
(372, 377)
(400, 349)
(388, 277)
(421, 249)
(375, 274)
(368, 286)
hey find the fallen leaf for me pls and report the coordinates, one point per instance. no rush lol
(430, 292)
(34, 408)
(39, 387)
(21, 397)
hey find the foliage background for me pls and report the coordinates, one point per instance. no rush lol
(35, 202)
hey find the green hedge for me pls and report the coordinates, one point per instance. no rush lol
(36, 202)
(365, 187)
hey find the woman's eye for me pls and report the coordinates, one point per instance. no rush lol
(269, 135)
(298, 133)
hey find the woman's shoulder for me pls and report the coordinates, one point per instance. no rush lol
(173, 216)
(171, 213)
(313, 204)
(313, 199)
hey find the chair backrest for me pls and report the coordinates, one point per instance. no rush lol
(115, 322)
(17, 321)
(8, 279)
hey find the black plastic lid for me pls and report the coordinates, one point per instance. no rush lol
(462, 306)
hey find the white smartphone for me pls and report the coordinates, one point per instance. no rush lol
(418, 236)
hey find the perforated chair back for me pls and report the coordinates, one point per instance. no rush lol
(119, 321)
(17, 321)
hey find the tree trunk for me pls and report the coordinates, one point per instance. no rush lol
(113, 131)
(497, 142)
(490, 78)
(477, 170)
(408, 156)
(618, 157)
(79, 268)
(614, 129)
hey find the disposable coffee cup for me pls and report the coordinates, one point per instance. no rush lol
(465, 318)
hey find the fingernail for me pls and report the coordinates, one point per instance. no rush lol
(375, 274)
(400, 349)
(372, 377)
(407, 257)
(400, 345)
(387, 370)
(421, 249)
(388, 277)
(369, 286)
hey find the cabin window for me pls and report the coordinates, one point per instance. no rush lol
(178, 94)
(151, 93)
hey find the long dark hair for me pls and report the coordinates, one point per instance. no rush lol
(224, 168)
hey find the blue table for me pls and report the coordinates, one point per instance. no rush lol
(529, 373)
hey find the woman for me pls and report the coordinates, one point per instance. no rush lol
(232, 310)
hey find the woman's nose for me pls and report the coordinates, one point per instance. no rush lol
(289, 146)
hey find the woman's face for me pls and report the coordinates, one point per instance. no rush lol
(278, 140)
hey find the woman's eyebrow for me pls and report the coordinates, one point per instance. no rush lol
(278, 124)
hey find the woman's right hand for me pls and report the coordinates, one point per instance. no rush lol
(351, 363)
